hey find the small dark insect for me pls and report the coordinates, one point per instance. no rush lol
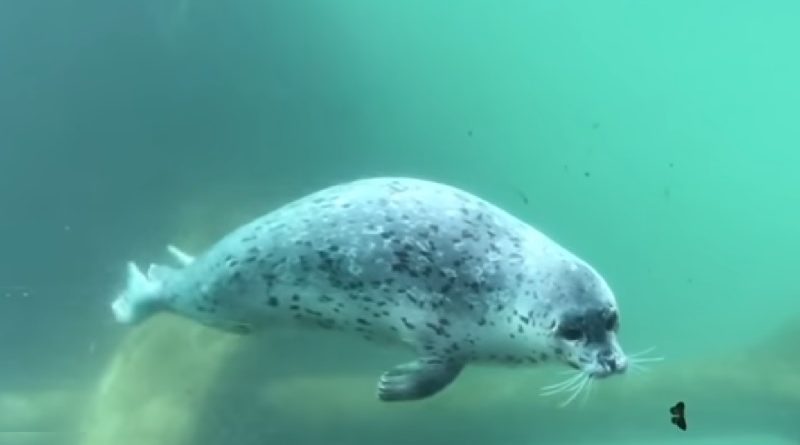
(678, 418)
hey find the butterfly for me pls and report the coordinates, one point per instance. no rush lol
(678, 418)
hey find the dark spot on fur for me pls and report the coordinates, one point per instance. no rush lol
(327, 324)
(272, 301)
(313, 312)
(437, 329)
(269, 278)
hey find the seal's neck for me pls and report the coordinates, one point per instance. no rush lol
(512, 335)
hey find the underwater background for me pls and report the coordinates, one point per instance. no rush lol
(656, 139)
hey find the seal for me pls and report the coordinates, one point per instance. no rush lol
(409, 261)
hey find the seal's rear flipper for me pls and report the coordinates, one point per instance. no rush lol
(141, 298)
(418, 379)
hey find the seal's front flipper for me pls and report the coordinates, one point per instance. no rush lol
(419, 379)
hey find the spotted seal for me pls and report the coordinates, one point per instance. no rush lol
(410, 261)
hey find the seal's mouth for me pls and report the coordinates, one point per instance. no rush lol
(607, 367)
(601, 367)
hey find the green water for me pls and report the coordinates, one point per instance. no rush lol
(658, 140)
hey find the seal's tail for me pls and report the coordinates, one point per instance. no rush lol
(139, 300)
(143, 295)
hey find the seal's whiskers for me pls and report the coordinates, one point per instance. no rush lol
(583, 382)
(586, 393)
(642, 352)
(563, 385)
(637, 361)
(574, 386)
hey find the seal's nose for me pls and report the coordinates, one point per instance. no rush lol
(617, 364)
(612, 362)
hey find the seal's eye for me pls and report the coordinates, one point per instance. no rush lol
(612, 322)
(571, 334)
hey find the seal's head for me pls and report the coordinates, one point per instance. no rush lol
(584, 321)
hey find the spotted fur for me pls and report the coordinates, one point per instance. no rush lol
(392, 259)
